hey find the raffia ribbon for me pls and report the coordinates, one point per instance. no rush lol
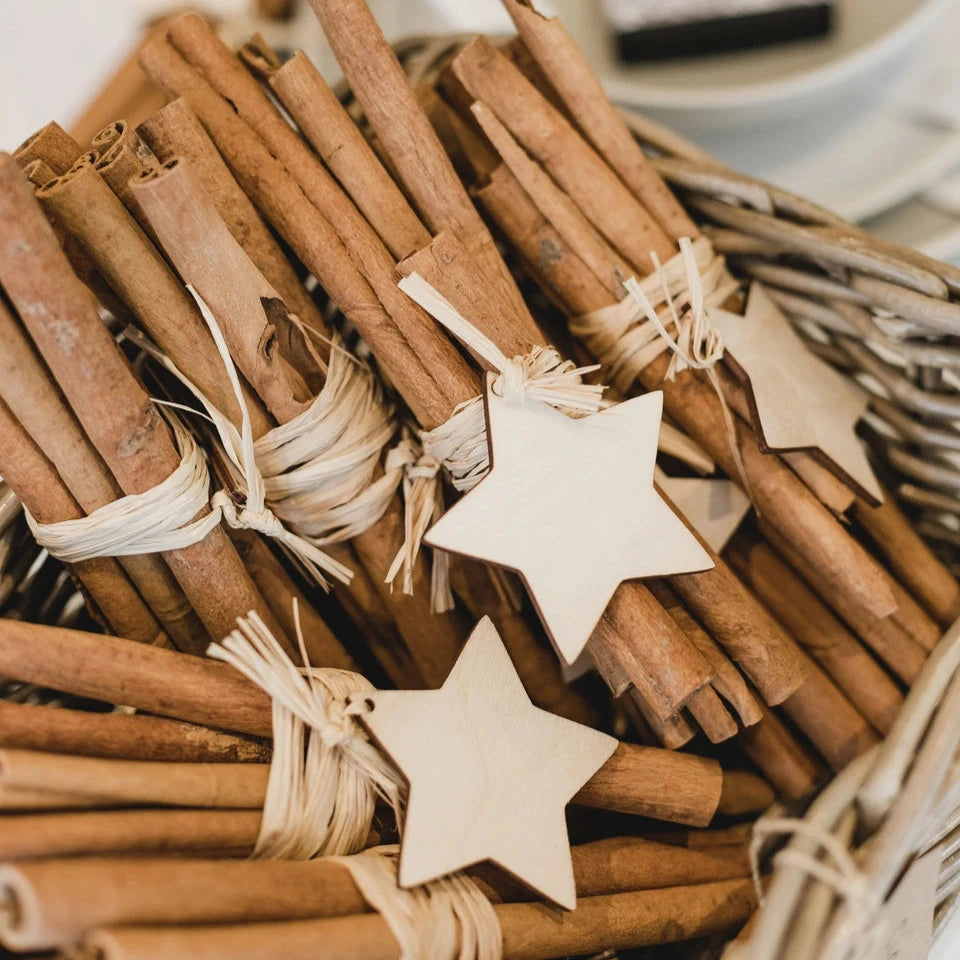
(628, 336)
(460, 444)
(446, 919)
(325, 774)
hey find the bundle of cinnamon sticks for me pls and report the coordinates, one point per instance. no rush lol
(503, 176)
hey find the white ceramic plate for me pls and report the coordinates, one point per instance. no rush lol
(872, 38)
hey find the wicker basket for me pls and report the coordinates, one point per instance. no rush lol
(886, 316)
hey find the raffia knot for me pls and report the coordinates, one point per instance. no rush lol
(244, 518)
(325, 774)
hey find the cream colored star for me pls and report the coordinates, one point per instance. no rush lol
(801, 402)
(570, 505)
(490, 774)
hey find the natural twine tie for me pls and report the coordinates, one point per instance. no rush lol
(445, 919)
(325, 774)
(460, 444)
(629, 335)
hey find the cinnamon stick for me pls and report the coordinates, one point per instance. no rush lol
(56, 901)
(323, 647)
(121, 157)
(205, 691)
(27, 388)
(379, 84)
(889, 641)
(788, 765)
(327, 125)
(121, 421)
(120, 736)
(911, 559)
(86, 206)
(38, 485)
(158, 832)
(53, 145)
(174, 131)
(236, 786)
(529, 931)
(801, 611)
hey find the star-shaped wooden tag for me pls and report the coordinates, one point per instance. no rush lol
(490, 774)
(570, 505)
(798, 401)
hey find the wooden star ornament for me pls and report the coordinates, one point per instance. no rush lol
(490, 774)
(570, 505)
(714, 506)
(798, 401)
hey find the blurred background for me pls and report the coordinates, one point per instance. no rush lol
(852, 103)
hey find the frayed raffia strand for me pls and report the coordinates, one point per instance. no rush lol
(460, 444)
(628, 336)
(445, 919)
(307, 483)
(325, 774)
(159, 519)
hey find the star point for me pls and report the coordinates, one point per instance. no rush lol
(801, 402)
(490, 774)
(570, 505)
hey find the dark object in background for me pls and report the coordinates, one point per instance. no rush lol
(661, 30)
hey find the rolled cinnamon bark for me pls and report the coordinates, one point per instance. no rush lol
(911, 559)
(336, 138)
(232, 786)
(57, 901)
(121, 736)
(712, 716)
(86, 206)
(122, 156)
(27, 388)
(379, 84)
(887, 639)
(113, 407)
(529, 932)
(829, 489)
(206, 691)
(788, 765)
(727, 681)
(53, 145)
(38, 485)
(174, 131)
(158, 681)
(158, 832)
(557, 54)
(801, 611)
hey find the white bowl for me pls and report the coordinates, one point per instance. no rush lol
(871, 41)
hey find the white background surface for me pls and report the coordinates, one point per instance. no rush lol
(56, 54)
